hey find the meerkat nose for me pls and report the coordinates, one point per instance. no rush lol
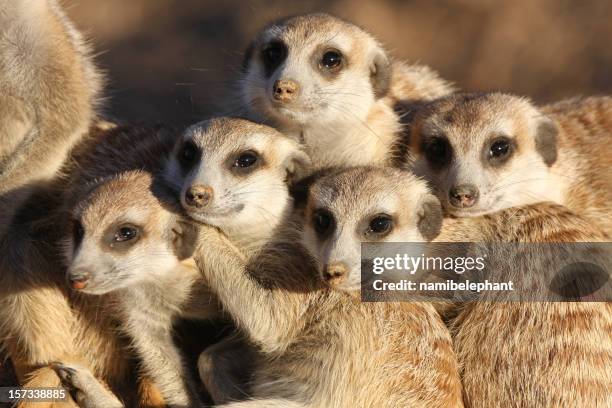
(285, 90)
(78, 279)
(335, 273)
(463, 196)
(198, 196)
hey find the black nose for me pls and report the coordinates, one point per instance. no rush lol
(198, 196)
(285, 90)
(463, 196)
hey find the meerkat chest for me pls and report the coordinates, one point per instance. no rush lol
(362, 144)
(160, 300)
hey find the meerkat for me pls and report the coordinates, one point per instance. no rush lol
(49, 91)
(135, 247)
(331, 85)
(318, 347)
(487, 152)
(42, 321)
(514, 354)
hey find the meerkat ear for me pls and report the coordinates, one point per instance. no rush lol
(296, 162)
(184, 238)
(430, 217)
(380, 74)
(546, 140)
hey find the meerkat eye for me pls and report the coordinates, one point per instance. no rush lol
(245, 159)
(381, 224)
(331, 60)
(500, 149)
(437, 151)
(274, 54)
(188, 153)
(126, 233)
(323, 222)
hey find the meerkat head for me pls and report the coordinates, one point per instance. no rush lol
(484, 152)
(313, 68)
(122, 235)
(365, 204)
(232, 173)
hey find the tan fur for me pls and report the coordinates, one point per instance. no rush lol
(578, 178)
(319, 347)
(151, 278)
(41, 321)
(344, 119)
(48, 91)
(532, 354)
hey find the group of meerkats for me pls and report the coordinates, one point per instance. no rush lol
(110, 234)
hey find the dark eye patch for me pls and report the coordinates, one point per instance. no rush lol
(380, 225)
(498, 150)
(273, 55)
(245, 162)
(78, 232)
(121, 237)
(331, 60)
(188, 154)
(437, 150)
(323, 222)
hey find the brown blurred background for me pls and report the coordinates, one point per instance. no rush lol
(174, 60)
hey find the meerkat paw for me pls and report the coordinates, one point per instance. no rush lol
(88, 392)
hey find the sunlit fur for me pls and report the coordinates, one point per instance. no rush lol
(316, 344)
(49, 88)
(341, 120)
(353, 197)
(532, 354)
(42, 321)
(150, 284)
(578, 178)
(245, 206)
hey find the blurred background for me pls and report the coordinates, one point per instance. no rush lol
(175, 60)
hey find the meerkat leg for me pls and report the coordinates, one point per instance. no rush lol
(87, 390)
(163, 363)
(44, 377)
(26, 319)
(225, 369)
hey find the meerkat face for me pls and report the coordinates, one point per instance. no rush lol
(232, 173)
(484, 152)
(313, 69)
(365, 204)
(123, 236)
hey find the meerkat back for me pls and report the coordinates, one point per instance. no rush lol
(48, 91)
(532, 354)
(585, 156)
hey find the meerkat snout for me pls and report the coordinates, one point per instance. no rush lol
(335, 273)
(198, 196)
(463, 196)
(285, 90)
(78, 278)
